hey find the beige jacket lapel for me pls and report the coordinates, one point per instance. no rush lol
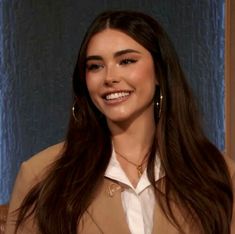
(106, 214)
(161, 224)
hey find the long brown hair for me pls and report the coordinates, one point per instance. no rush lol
(195, 170)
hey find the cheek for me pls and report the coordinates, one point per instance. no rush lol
(150, 72)
(88, 85)
(91, 85)
(144, 76)
(91, 90)
(88, 82)
(146, 81)
(94, 81)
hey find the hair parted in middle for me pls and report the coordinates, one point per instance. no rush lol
(194, 169)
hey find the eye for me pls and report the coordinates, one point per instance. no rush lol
(127, 61)
(94, 67)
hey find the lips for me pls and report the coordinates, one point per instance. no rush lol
(116, 95)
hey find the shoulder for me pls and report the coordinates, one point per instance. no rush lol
(34, 169)
(31, 172)
(44, 158)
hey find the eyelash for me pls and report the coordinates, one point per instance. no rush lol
(93, 67)
(96, 67)
(127, 61)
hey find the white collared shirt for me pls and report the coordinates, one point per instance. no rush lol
(138, 203)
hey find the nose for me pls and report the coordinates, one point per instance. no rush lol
(111, 76)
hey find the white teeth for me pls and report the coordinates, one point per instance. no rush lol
(116, 95)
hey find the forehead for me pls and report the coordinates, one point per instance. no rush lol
(111, 40)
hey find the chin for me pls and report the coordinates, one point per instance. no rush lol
(118, 119)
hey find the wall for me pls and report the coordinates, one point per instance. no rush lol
(38, 45)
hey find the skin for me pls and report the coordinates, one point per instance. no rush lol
(121, 81)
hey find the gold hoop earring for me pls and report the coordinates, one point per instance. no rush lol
(74, 111)
(159, 106)
(158, 100)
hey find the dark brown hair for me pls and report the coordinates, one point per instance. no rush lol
(195, 170)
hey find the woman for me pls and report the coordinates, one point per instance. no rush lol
(135, 159)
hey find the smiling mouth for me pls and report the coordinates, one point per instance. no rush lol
(117, 96)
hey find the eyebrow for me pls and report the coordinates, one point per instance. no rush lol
(116, 54)
(127, 51)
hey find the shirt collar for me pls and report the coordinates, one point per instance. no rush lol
(114, 171)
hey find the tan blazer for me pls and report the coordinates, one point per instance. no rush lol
(105, 215)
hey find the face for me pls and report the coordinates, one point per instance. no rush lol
(120, 76)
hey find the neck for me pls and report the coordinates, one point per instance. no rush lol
(133, 140)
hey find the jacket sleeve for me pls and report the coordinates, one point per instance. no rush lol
(24, 182)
